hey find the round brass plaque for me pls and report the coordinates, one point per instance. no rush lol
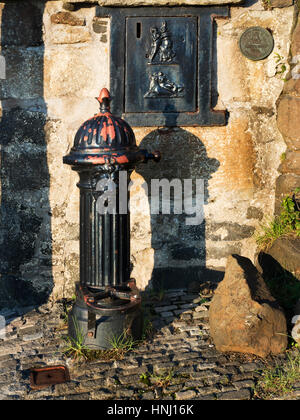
(256, 43)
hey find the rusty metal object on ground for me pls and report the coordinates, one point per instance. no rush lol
(50, 375)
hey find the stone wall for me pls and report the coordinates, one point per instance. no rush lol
(289, 124)
(57, 61)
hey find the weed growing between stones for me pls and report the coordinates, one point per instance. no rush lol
(278, 381)
(123, 343)
(75, 347)
(162, 380)
(286, 224)
(120, 345)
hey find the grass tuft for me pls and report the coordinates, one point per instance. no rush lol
(286, 224)
(155, 380)
(278, 381)
(122, 343)
(79, 352)
(75, 347)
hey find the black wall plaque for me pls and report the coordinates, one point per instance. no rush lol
(161, 65)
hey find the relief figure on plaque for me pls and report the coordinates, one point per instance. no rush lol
(161, 45)
(155, 43)
(161, 86)
(166, 52)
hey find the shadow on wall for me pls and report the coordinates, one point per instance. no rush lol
(180, 249)
(25, 240)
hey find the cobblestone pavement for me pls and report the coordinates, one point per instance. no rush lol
(178, 362)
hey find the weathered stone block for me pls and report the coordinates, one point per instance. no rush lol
(24, 73)
(292, 86)
(20, 126)
(284, 255)
(21, 23)
(184, 253)
(289, 116)
(159, 2)
(291, 163)
(67, 18)
(27, 171)
(280, 3)
(243, 394)
(233, 84)
(65, 34)
(19, 238)
(243, 316)
(69, 6)
(285, 184)
(295, 48)
(74, 70)
(292, 144)
(229, 231)
(223, 251)
(185, 395)
(254, 213)
(99, 25)
(25, 210)
(15, 291)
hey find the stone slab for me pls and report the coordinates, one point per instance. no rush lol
(137, 3)
(283, 255)
(280, 3)
(244, 316)
(288, 116)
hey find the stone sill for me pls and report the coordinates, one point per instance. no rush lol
(138, 3)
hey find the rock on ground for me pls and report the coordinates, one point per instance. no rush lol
(244, 316)
(296, 323)
(284, 254)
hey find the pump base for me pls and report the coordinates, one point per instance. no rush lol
(107, 327)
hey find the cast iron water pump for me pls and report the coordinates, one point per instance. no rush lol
(108, 303)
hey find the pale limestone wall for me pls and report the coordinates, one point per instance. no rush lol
(58, 80)
(76, 66)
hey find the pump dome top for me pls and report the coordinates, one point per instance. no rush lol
(104, 139)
